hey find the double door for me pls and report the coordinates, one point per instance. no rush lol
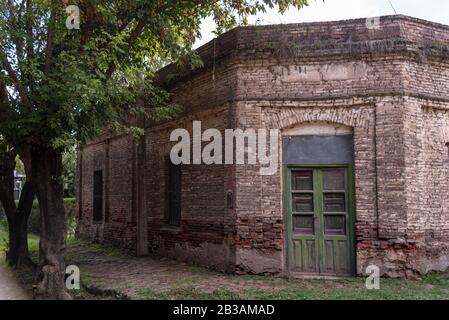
(320, 220)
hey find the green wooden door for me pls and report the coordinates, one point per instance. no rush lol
(319, 220)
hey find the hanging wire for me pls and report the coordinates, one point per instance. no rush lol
(280, 19)
(213, 66)
(392, 6)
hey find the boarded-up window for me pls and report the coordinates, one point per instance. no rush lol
(98, 195)
(173, 193)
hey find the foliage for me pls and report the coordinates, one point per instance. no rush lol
(34, 222)
(4, 239)
(71, 227)
(2, 213)
(69, 172)
(20, 169)
(59, 85)
(69, 200)
(70, 205)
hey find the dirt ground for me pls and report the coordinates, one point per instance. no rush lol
(106, 272)
(9, 286)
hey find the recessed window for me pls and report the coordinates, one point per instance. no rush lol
(98, 195)
(174, 174)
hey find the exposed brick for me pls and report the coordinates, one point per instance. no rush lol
(391, 86)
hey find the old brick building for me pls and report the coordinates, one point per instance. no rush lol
(363, 112)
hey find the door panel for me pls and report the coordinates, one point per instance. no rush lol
(342, 253)
(305, 256)
(309, 259)
(319, 220)
(328, 257)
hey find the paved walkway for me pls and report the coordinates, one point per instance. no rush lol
(105, 269)
(9, 286)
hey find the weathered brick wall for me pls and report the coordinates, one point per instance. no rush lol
(260, 221)
(113, 154)
(427, 181)
(386, 150)
(208, 87)
(391, 85)
(205, 233)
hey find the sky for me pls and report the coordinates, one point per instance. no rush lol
(328, 10)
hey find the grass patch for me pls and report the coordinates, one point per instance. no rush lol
(354, 289)
(434, 286)
(187, 293)
(193, 286)
(27, 274)
(83, 252)
(3, 241)
(33, 247)
(437, 278)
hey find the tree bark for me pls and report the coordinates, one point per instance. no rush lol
(47, 172)
(18, 254)
(17, 217)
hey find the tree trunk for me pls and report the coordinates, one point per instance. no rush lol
(47, 172)
(18, 254)
(17, 217)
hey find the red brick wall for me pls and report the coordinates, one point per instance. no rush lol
(205, 233)
(390, 85)
(114, 156)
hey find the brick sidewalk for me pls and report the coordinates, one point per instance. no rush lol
(112, 270)
(105, 270)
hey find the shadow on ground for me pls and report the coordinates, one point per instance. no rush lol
(106, 271)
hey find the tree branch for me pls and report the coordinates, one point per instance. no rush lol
(3, 101)
(49, 48)
(132, 38)
(29, 42)
(12, 74)
(14, 17)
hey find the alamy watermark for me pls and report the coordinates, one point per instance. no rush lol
(373, 280)
(72, 281)
(250, 147)
(373, 23)
(73, 20)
